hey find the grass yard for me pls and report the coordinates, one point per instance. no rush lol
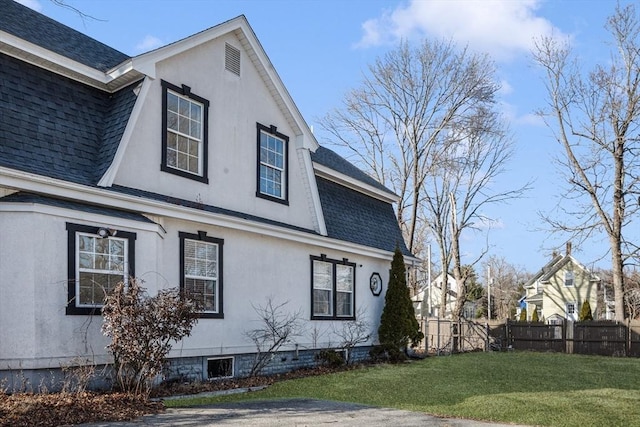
(545, 389)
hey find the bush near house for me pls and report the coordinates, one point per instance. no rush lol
(585, 312)
(142, 329)
(398, 324)
(535, 317)
(523, 315)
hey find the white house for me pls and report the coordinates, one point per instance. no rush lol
(188, 166)
(428, 300)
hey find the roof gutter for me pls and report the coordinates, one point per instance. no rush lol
(52, 187)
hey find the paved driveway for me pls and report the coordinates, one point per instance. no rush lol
(292, 412)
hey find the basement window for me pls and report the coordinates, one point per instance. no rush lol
(218, 368)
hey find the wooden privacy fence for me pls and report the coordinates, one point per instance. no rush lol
(606, 338)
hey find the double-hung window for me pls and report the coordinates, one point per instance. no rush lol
(568, 278)
(272, 164)
(201, 271)
(332, 288)
(184, 132)
(99, 259)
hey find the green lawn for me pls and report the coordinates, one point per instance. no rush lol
(520, 387)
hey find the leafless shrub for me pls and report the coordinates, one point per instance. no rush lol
(316, 335)
(77, 375)
(277, 328)
(142, 330)
(353, 332)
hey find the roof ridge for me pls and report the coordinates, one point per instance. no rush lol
(56, 37)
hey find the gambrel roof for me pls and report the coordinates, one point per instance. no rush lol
(58, 127)
(67, 100)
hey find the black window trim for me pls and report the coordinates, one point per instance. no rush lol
(72, 230)
(273, 130)
(202, 236)
(334, 293)
(185, 91)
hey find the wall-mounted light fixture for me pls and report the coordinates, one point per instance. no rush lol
(106, 232)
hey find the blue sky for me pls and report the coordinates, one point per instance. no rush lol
(320, 48)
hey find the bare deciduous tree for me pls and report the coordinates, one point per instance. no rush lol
(480, 148)
(595, 116)
(398, 121)
(506, 286)
(277, 328)
(424, 123)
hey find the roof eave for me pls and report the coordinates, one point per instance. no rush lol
(346, 181)
(36, 55)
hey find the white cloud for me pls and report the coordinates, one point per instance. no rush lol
(31, 4)
(148, 43)
(505, 88)
(499, 27)
(531, 120)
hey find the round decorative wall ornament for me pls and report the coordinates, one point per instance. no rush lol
(375, 283)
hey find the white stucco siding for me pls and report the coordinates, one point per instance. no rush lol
(237, 103)
(35, 332)
(256, 268)
(17, 275)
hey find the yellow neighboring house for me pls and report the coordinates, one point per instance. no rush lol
(560, 288)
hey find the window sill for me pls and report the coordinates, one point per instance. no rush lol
(272, 198)
(333, 318)
(83, 311)
(211, 315)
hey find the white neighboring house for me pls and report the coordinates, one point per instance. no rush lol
(428, 300)
(190, 166)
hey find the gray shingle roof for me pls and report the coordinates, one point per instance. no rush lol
(332, 160)
(23, 197)
(358, 218)
(38, 29)
(57, 127)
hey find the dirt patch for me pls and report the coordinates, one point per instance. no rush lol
(55, 409)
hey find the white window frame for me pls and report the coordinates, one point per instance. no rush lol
(272, 146)
(205, 276)
(569, 279)
(324, 289)
(194, 134)
(184, 133)
(201, 265)
(348, 292)
(334, 289)
(121, 274)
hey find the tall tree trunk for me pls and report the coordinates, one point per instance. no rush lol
(461, 282)
(444, 287)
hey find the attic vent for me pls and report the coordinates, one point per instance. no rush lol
(232, 59)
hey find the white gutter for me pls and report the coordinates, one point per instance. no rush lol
(63, 189)
(347, 181)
